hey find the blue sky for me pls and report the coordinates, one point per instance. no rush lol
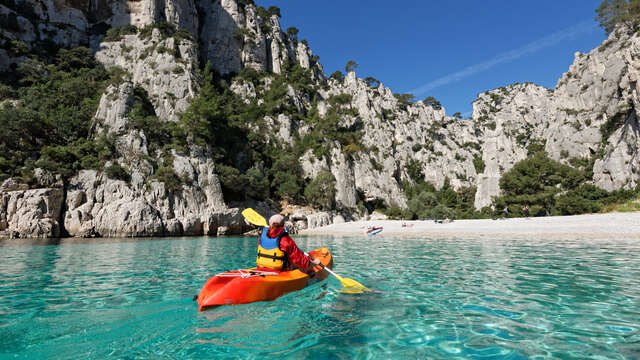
(451, 50)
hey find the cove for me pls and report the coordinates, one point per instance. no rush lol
(442, 299)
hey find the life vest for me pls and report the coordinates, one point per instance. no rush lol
(269, 254)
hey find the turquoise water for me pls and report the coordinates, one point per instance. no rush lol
(436, 299)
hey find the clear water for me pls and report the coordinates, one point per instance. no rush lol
(436, 299)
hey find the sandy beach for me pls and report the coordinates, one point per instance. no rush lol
(592, 226)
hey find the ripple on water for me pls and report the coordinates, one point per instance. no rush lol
(438, 299)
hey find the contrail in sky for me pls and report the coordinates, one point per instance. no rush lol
(508, 56)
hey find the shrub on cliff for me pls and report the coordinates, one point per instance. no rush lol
(292, 33)
(117, 172)
(612, 13)
(431, 101)
(287, 175)
(321, 191)
(165, 174)
(372, 82)
(351, 66)
(331, 128)
(266, 14)
(337, 75)
(117, 33)
(404, 100)
(478, 164)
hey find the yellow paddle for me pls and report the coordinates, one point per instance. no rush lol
(351, 285)
(253, 217)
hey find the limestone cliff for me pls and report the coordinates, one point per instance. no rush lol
(599, 92)
(592, 113)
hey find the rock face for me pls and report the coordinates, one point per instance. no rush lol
(507, 120)
(598, 92)
(302, 218)
(31, 213)
(100, 206)
(620, 166)
(394, 136)
(165, 67)
(97, 206)
(592, 113)
(230, 33)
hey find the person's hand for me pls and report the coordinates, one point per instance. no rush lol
(315, 261)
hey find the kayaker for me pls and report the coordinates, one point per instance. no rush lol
(278, 251)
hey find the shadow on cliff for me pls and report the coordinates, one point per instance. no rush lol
(220, 38)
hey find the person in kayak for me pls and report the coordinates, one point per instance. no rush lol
(278, 251)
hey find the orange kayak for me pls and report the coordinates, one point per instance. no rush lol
(251, 285)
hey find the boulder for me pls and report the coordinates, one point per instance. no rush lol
(31, 213)
(318, 219)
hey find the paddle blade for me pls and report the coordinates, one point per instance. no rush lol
(352, 286)
(253, 217)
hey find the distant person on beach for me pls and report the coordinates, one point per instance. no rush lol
(505, 211)
(525, 210)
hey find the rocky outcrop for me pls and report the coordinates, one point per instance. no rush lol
(394, 136)
(597, 93)
(165, 67)
(99, 206)
(302, 218)
(31, 213)
(507, 121)
(234, 37)
(620, 166)
(229, 32)
(144, 206)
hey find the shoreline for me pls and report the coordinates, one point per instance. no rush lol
(623, 226)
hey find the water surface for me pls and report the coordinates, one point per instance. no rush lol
(437, 299)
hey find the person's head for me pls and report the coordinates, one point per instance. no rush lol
(276, 221)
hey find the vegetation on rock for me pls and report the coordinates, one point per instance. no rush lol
(551, 188)
(50, 100)
(612, 13)
(321, 191)
(251, 160)
(351, 66)
(49, 121)
(431, 101)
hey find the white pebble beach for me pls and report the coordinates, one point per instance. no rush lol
(591, 226)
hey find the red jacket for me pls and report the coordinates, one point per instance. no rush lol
(295, 255)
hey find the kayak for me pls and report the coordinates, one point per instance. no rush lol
(374, 230)
(251, 285)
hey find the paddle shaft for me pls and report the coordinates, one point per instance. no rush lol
(326, 268)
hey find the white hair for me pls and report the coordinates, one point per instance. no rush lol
(276, 219)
